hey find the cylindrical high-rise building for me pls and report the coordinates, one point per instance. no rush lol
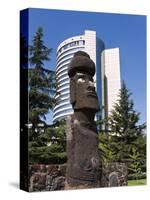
(65, 51)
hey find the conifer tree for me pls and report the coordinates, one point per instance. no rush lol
(123, 123)
(124, 133)
(41, 80)
(47, 144)
(49, 147)
(123, 118)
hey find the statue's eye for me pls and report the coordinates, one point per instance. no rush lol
(81, 79)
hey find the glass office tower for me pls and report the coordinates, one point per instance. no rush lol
(65, 51)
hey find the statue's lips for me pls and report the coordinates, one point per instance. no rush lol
(91, 94)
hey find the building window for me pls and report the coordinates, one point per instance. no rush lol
(62, 107)
(64, 80)
(65, 90)
(67, 101)
(62, 70)
(63, 96)
(62, 86)
(70, 51)
(81, 42)
(62, 62)
(63, 75)
(63, 112)
(71, 44)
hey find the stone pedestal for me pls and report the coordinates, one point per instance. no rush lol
(47, 177)
(53, 177)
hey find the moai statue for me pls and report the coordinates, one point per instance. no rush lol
(83, 165)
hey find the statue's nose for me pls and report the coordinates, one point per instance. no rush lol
(91, 84)
(91, 88)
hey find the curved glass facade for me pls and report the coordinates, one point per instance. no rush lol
(65, 51)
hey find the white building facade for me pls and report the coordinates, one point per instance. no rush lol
(111, 83)
(107, 77)
(65, 51)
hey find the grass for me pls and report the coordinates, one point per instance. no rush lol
(136, 182)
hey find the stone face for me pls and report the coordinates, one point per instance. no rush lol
(82, 93)
(113, 179)
(114, 174)
(83, 166)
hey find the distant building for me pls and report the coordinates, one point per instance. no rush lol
(111, 79)
(65, 51)
(107, 65)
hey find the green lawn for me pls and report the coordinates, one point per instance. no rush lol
(137, 182)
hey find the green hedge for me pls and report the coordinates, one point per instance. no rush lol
(135, 176)
(47, 155)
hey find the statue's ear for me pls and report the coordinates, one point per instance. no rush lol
(72, 91)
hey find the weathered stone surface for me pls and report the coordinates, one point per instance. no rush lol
(62, 169)
(113, 179)
(54, 178)
(37, 181)
(47, 177)
(83, 168)
(114, 174)
(83, 165)
(81, 62)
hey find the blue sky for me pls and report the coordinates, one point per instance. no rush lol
(128, 32)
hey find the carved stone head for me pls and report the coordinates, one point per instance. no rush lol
(82, 89)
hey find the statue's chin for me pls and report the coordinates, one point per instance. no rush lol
(88, 102)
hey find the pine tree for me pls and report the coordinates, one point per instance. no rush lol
(48, 144)
(41, 81)
(123, 118)
(105, 148)
(49, 147)
(38, 51)
(123, 124)
(124, 134)
(135, 164)
(23, 80)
